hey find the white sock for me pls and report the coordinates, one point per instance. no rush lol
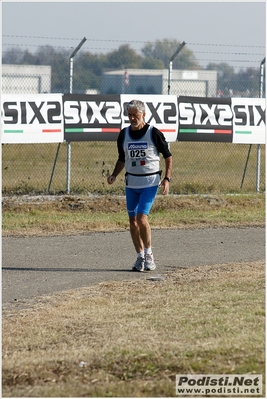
(148, 251)
(140, 254)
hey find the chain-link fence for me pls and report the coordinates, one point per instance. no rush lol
(197, 167)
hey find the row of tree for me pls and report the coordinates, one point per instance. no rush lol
(89, 67)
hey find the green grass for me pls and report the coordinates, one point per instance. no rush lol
(197, 168)
(79, 214)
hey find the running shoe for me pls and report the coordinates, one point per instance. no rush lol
(139, 265)
(149, 262)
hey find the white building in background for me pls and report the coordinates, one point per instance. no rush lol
(26, 79)
(201, 83)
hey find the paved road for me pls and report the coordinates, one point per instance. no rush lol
(33, 267)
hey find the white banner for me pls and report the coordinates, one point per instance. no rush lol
(161, 112)
(249, 120)
(32, 118)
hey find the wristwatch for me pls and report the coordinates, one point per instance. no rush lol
(167, 178)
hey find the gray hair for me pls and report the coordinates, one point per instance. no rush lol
(139, 105)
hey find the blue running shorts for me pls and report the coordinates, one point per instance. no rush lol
(140, 200)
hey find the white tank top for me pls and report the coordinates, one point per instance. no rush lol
(142, 160)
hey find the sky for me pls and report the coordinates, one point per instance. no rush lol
(232, 32)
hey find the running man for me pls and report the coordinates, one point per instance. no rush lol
(139, 147)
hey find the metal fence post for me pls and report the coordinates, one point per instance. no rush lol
(258, 170)
(71, 85)
(170, 65)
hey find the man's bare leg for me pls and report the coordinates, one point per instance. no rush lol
(140, 232)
